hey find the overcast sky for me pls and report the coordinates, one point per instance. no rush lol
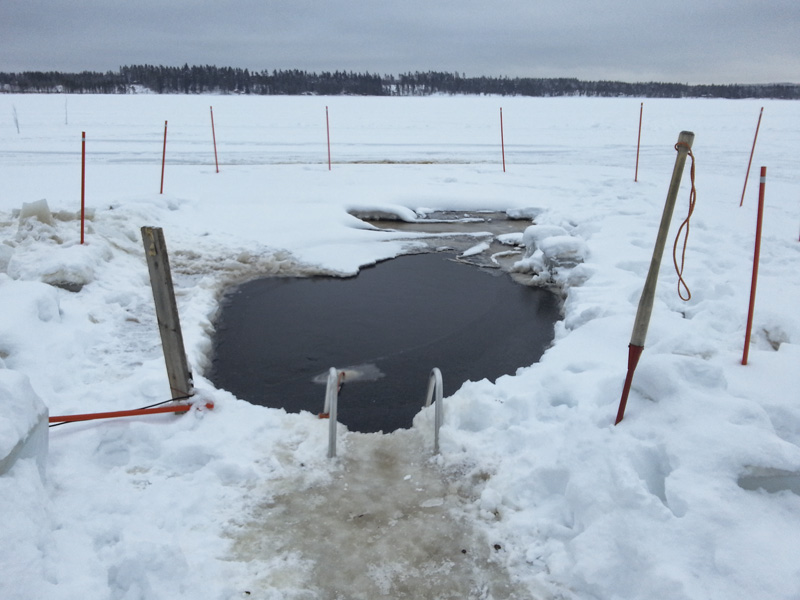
(686, 41)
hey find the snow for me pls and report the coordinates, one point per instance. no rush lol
(693, 496)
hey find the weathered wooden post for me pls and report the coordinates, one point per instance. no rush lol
(178, 371)
(645, 309)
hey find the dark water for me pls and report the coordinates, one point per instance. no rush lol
(395, 321)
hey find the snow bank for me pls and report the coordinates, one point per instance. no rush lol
(23, 423)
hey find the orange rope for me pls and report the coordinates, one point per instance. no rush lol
(679, 269)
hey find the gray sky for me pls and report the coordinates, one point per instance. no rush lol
(686, 41)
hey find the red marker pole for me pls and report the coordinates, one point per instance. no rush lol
(214, 137)
(328, 127)
(502, 141)
(756, 255)
(750, 162)
(83, 183)
(638, 143)
(163, 157)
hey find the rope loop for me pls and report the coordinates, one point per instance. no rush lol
(692, 199)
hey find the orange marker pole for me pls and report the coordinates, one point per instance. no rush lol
(328, 127)
(638, 143)
(214, 137)
(163, 157)
(502, 141)
(756, 255)
(174, 408)
(83, 183)
(750, 162)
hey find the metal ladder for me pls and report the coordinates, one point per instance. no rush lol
(330, 410)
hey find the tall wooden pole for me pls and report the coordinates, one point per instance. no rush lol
(642, 321)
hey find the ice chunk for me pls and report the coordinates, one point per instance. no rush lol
(365, 372)
(36, 210)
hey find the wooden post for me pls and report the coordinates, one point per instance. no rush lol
(645, 309)
(178, 371)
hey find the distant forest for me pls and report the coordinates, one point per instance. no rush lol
(228, 80)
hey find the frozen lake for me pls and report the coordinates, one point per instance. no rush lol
(692, 497)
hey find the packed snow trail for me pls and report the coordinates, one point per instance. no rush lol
(389, 524)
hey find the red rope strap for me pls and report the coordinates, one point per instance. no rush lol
(679, 269)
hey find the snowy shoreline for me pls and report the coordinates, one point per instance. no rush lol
(662, 506)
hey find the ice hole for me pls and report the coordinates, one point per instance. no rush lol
(387, 327)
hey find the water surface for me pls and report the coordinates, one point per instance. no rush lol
(277, 337)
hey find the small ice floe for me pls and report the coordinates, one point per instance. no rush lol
(497, 255)
(531, 212)
(365, 372)
(476, 249)
(432, 503)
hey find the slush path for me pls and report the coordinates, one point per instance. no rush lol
(388, 525)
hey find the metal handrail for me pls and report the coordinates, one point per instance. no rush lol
(435, 387)
(330, 410)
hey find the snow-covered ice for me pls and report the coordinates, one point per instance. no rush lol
(693, 496)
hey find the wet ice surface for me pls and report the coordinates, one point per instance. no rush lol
(389, 326)
(387, 524)
(460, 231)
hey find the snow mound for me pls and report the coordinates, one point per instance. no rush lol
(531, 212)
(563, 250)
(550, 250)
(532, 236)
(23, 422)
(49, 250)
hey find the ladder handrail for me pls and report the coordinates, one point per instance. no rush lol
(435, 394)
(435, 387)
(331, 407)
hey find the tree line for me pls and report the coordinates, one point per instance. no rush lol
(227, 80)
